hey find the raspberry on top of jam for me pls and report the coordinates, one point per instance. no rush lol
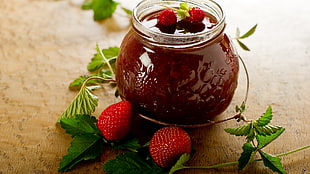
(182, 20)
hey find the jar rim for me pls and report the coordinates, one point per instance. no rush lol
(143, 9)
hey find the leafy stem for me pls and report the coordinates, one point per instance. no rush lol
(98, 78)
(246, 35)
(84, 102)
(180, 166)
(106, 60)
(101, 65)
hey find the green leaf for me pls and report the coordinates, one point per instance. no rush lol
(250, 137)
(78, 83)
(126, 10)
(265, 140)
(98, 62)
(184, 6)
(243, 46)
(240, 108)
(111, 52)
(82, 124)
(265, 118)
(180, 163)
(247, 154)
(183, 10)
(267, 130)
(237, 33)
(87, 5)
(83, 147)
(131, 163)
(131, 144)
(272, 162)
(83, 104)
(103, 8)
(239, 131)
(103, 65)
(249, 33)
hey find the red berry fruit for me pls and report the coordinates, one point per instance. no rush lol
(114, 121)
(168, 144)
(167, 17)
(196, 14)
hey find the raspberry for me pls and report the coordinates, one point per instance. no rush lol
(196, 14)
(167, 17)
(192, 27)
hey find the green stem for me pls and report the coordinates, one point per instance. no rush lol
(95, 77)
(293, 151)
(106, 60)
(211, 167)
(236, 162)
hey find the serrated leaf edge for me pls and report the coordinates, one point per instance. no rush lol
(81, 104)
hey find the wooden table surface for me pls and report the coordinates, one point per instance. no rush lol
(45, 44)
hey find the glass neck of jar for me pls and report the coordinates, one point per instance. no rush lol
(148, 7)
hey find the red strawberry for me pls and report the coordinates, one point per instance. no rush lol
(114, 121)
(167, 17)
(196, 14)
(168, 144)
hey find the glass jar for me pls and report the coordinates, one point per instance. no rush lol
(182, 79)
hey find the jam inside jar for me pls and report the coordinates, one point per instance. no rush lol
(178, 78)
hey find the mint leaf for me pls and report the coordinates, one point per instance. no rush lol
(272, 162)
(131, 144)
(83, 147)
(98, 61)
(265, 140)
(249, 33)
(239, 131)
(83, 104)
(265, 119)
(246, 155)
(180, 163)
(103, 8)
(184, 6)
(183, 10)
(82, 124)
(131, 163)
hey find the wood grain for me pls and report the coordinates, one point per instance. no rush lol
(45, 44)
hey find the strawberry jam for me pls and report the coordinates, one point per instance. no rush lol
(178, 78)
